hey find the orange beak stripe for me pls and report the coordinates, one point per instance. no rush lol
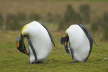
(17, 44)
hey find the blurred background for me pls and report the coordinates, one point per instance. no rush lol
(57, 15)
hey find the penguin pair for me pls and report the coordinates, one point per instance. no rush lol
(78, 42)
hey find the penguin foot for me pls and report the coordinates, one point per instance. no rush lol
(78, 62)
(74, 62)
(38, 62)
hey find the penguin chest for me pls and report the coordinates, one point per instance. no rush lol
(42, 46)
(79, 43)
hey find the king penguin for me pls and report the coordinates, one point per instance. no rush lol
(39, 40)
(78, 42)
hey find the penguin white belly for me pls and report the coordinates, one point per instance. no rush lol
(42, 47)
(31, 55)
(79, 43)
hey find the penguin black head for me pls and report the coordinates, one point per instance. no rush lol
(20, 44)
(64, 39)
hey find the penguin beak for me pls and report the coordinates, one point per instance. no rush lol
(20, 44)
(17, 42)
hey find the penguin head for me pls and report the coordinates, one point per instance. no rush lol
(64, 39)
(20, 44)
(65, 42)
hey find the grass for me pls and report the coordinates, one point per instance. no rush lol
(58, 61)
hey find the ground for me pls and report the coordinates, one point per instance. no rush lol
(58, 61)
